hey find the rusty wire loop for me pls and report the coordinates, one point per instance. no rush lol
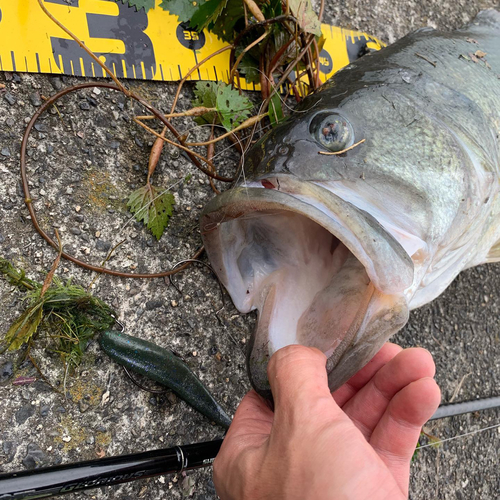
(29, 202)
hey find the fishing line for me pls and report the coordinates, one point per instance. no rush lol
(459, 436)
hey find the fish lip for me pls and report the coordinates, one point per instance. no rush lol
(351, 225)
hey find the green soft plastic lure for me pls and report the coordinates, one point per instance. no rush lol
(163, 366)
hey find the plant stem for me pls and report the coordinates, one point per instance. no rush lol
(254, 9)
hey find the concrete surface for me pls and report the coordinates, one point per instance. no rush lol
(85, 158)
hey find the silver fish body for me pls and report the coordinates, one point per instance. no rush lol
(335, 250)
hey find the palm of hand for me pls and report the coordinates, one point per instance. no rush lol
(356, 445)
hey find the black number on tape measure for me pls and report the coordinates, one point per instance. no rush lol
(357, 48)
(128, 26)
(325, 62)
(190, 38)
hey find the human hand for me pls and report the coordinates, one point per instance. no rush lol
(355, 445)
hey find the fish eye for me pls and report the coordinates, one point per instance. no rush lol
(333, 132)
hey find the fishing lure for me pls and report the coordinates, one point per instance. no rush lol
(163, 366)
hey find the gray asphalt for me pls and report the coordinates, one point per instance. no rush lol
(83, 163)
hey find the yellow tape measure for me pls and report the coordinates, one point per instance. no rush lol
(152, 46)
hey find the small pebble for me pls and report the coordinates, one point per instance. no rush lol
(154, 304)
(10, 98)
(173, 303)
(24, 413)
(40, 127)
(85, 106)
(75, 230)
(35, 99)
(6, 371)
(103, 245)
(34, 456)
(9, 450)
(5, 152)
(78, 208)
(56, 82)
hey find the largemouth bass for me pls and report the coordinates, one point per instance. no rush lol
(335, 250)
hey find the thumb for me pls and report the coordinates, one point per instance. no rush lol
(299, 383)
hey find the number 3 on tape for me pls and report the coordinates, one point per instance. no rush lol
(152, 46)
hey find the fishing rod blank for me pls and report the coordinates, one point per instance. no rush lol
(452, 409)
(51, 481)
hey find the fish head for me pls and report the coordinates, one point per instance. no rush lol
(325, 247)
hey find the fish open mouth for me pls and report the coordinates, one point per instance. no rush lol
(315, 267)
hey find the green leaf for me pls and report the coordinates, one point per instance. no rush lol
(249, 68)
(231, 18)
(275, 111)
(23, 329)
(271, 9)
(183, 9)
(152, 207)
(139, 4)
(207, 13)
(206, 96)
(306, 17)
(233, 108)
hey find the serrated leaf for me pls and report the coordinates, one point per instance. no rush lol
(207, 13)
(152, 207)
(139, 4)
(23, 329)
(206, 96)
(275, 111)
(183, 9)
(231, 18)
(233, 108)
(306, 17)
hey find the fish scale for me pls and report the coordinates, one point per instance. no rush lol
(413, 200)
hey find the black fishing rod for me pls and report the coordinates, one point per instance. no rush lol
(52, 481)
(61, 479)
(453, 409)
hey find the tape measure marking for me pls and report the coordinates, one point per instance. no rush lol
(135, 45)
